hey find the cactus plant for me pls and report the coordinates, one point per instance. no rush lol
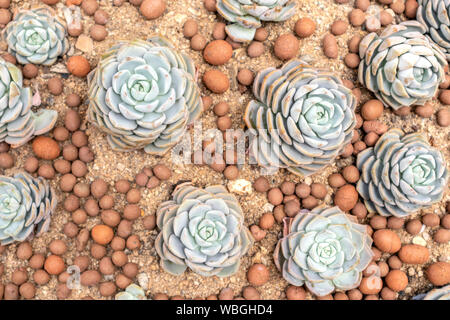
(143, 94)
(246, 15)
(132, 292)
(36, 36)
(26, 206)
(18, 124)
(401, 174)
(324, 249)
(202, 229)
(302, 120)
(435, 294)
(401, 66)
(435, 16)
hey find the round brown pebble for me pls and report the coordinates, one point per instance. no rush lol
(30, 71)
(442, 236)
(73, 101)
(57, 247)
(6, 160)
(339, 27)
(346, 197)
(387, 240)
(286, 46)
(261, 184)
(352, 60)
(261, 34)
(231, 172)
(190, 28)
(11, 291)
(245, 77)
(439, 273)
(359, 210)
(89, 6)
(372, 110)
(78, 66)
(90, 278)
(330, 47)
(55, 86)
(357, 17)
(425, 111)
(396, 280)
(255, 49)
(445, 221)
(102, 234)
(107, 289)
(258, 274)
(72, 120)
(414, 226)
(443, 117)
(5, 17)
(275, 196)
(98, 32)
(37, 261)
(46, 171)
(152, 9)
(318, 190)
(46, 148)
(162, 172)
(250, 293)
(198, 42)
(413, 254)
(54, 265)
(219, 31)
(295, 293)
(431, 220)
(302, 190)
(266, 221)
(27, 290)
(378, 222)
(41, 277)
(216, 81)
(304, 27)
(218, 52)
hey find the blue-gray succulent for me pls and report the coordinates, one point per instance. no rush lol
(26, 206)
(132, 292)
(36, 36)
(435, 294)
(401, 174)
(246, 15)
(143, 95)
(324, 249)
(302, 119)
(202, 229)
(401, 66)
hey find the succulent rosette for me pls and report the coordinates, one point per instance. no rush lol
(202, 229)
(246, 15)
(302, 118)
(324, 249)
(401, 66)
(143, 95)
(18, 124)
(132, 292)
(435, 16)
(26, 206)
(36, 36)
(435, 294)
(401, 174)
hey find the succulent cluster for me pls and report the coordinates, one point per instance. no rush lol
(401, 174)
(37, 36)
(132, 292)
(202, 229)
(435, 16)
(143, 94)
(18, 124)
(401, 66)
(302, 119)
(26, 205)
(246, 15)
(324, 249)
(435, 294)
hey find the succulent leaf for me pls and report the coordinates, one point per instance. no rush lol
(401, 174)
(132, 292)
(320, 249)
(302, 120)
(401, 66)
(201, 229)
(435, 294)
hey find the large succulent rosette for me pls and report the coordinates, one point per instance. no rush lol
(435, 294)
(26, 206)
(36, 36)
(202, 229)
(246, 15)
(435, 16)
(132, 292)
(401, 66)
(18, 124)
(324, 249)
(143, 94)
(401, 174)
(302, 118)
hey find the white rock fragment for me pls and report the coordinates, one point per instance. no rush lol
(142, 279)
(240, 186)
(84, 43)
(419, 241)
(268, 207)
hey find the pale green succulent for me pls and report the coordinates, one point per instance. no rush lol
(36, 36)
(18, 124)
(324, 249)
(401, 66)
(435, 16)
(26, 206)
(435, 294)
(143, 94)
(246, 15)
(401, 174)
(202, 229)
(302, 119)
(132, 292)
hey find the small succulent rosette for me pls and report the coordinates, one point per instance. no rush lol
(302, 119)
(18, 124)
(401, 66)
(26, 207)
(143, 95)
(435, 294)
(132, 292)
(435, 16)
(401, 174)
(324, 249)
(246, 16)
(37, 36)
(202, 229)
